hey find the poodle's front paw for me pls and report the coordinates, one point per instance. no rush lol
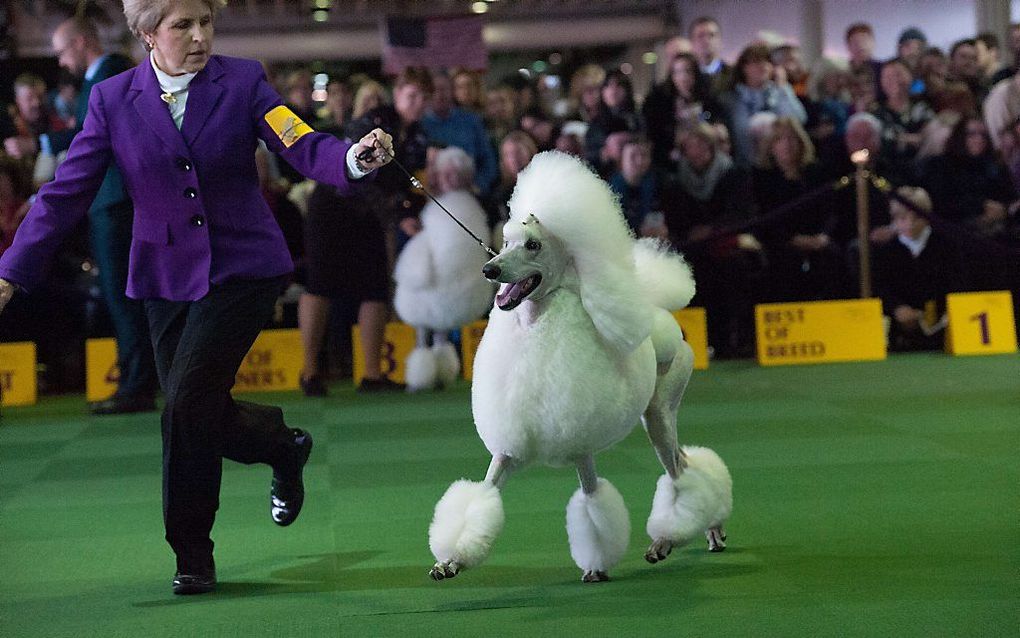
(658, 550)
(592, 576)
(716, 539)
(445, 569)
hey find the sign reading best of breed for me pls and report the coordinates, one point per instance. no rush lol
(398, 342)
(980, 323)
(273, 362)
(101, 371)
(820, 332)
(17, 373)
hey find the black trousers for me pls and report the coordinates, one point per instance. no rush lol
(199, 345)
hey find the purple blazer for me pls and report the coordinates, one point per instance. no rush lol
(199, 217)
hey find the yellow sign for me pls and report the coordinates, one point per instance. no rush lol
(980, 323)
(17, 373)
(820, 332)
(470, 337)
(101, 372)
(287, 125)
(695, 327)
(273, 362)
(398, 342)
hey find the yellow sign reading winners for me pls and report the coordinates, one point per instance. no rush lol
(101, 372)
(398, 342)
(820, 332)
(693, 322)
(980, 323)
(17, 373)
(273, 362)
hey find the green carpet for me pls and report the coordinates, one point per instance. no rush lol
(870, 499)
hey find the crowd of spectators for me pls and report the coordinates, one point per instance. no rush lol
(737, 165)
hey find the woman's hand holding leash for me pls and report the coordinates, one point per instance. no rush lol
(375, 150)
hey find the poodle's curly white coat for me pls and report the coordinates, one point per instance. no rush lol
(580, 346)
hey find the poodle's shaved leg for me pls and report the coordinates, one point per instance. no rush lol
(716, 539)
(500, 469)
(589, 480)
(586, 475)
(659, 418)
(421, 337)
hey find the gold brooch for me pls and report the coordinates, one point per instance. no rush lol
(169, 98)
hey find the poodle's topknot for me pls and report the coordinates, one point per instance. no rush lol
(580, 209)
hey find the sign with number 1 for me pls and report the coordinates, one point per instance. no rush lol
(980, 323)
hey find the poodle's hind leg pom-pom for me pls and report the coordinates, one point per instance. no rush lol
(466, 522)
(698, 502)
(420, 370)
(598, 528)
(447, 363)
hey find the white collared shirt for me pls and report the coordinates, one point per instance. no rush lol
(177, 86)
(94, 67)
(916, 246)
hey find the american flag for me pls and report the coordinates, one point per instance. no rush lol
(436, 42)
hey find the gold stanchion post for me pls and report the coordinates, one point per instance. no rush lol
(860, 160)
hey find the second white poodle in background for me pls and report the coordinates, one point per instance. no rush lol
(580, 346)
(439, 287)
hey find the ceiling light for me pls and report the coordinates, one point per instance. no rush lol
(479, 7)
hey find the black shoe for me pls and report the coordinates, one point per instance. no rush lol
(382, 384)
(288, 490)
(201, 583)
(121, 404)
(313, 386)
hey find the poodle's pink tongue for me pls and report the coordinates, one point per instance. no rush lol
(510, 295)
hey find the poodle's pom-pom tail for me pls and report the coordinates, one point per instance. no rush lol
(466, 522)
(447, 363)
(421, 370)
(664, 274)
(702, 497)
(598, 528)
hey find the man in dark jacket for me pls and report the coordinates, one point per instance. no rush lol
(76, 43)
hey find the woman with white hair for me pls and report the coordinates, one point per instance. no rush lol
(437, 274)
(207, 257)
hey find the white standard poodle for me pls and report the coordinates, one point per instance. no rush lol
(437, 284)
(580, 346)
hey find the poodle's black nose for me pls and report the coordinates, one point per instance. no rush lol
(491, 270)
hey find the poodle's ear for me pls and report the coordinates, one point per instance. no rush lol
(616, 307)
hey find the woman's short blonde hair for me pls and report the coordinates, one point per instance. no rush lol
(366, 90)
(587, 75)
(143, 16)
(916, 196)
(787, 125)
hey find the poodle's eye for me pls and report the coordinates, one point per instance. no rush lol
(533, 244)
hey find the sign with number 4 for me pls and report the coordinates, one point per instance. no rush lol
(980, 323)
